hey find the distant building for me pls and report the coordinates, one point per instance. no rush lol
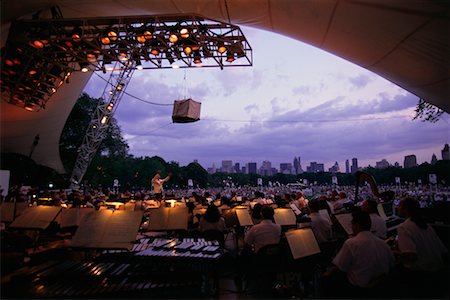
(410, 161)
(354, 167)
(212, 170)
(251, 167)
(446, 152)
(314, 167)
(297, 165)
(286, 168)
(266, 168)
(347, 166)
(244, 170)
(237, 168)
(227, 166)
(383, 164)
(335, 168)
(433, 159)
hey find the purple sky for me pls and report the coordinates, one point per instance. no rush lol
(298, 101)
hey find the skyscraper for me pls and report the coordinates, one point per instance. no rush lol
(315, 167)
(286, 168)
(227, 166)
(410, 161)
(237, 168)
(383, 164)
(296, 164)
(347, 166)
(433, 159)
(354, 165)
(446, 152)
(266, 168)
(335, 168)
(251, 168)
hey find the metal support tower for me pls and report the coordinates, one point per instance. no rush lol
(97, 128)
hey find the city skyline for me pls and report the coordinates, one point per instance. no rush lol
(310, 104)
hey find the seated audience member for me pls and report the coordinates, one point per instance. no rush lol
(364, 259)
(264, 233)
(378, 224)
(300, 200)
(420, 248)
(339, 203)
(212, 220)
(320, 225)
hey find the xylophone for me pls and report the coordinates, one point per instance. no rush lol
(155, 268)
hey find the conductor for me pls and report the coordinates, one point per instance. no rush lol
(157, 184)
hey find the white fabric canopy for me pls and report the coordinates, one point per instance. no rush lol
(404, 41)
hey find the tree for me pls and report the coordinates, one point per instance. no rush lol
(427, 112)
(113, 147)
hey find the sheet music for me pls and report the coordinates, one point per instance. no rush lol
(302, 243)
(284, 216)
(72, 216)
(178, 218)
(108, 229)
(244, 217)
(38, 217)
(346, 222)
(171, 218)
(295, 209)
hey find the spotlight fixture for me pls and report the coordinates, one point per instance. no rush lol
(39, 53)
(84, 67)
(76, 34)
(197, 57)
(230, 57)
(221, 47)
(184, 32)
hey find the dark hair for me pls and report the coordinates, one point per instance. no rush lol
(256, 211)
(314, 205)
(267, 212)
(362, 219)
(212, 214)
(412, 206)
(372, 206)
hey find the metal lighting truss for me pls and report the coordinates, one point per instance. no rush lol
(40, 55)
(96, 131)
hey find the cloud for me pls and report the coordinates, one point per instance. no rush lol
(359, 81)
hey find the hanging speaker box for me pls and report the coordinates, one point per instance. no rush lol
(186, 111)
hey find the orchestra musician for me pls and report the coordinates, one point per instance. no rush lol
(364, 259)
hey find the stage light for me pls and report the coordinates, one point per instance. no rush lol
(104, 119)
(197, 57)
(155, 47)
(91, 57)
(76, 34)
(84, 67)
(184, 32)
(230, 57)
(221, 47)
(173, 37)
(122, 51)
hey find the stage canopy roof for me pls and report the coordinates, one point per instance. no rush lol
(404, 41)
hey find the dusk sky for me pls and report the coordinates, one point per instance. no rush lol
(296, 100)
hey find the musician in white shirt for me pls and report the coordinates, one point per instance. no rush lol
(321, 227)
(378, 224)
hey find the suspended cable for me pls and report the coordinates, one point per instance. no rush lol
(160, 127)
(301, 121)
(135, 97)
